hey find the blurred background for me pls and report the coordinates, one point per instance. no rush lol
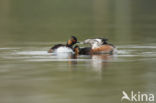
(122, 21)
(28, 28)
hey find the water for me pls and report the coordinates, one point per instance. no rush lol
(28, 74)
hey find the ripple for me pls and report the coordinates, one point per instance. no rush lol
(122, 54)
(137, 46)
(8, 48)
(33, 53)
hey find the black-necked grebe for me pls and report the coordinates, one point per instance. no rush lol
(98, 46)
(61, 48)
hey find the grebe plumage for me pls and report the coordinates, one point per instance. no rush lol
(98, 46)
(61, 48)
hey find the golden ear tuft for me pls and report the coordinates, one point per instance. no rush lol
(69, 42)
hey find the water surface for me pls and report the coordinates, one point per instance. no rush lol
(30, 74)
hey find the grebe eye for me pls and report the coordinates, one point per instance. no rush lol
(74, 40)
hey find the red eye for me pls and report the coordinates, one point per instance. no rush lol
(74, 40)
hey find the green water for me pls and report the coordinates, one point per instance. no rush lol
(28, 28)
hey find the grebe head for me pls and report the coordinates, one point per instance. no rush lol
(72, 41)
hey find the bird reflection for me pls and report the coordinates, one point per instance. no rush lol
(72, 59)
(97, 62)
(100, 61)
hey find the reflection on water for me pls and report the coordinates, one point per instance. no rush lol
(100, 61)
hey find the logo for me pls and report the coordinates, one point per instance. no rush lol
(137, 97)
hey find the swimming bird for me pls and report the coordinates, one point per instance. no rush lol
(98, 46)
(61, 48)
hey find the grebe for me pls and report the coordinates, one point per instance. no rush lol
(98, 46)
(61, 48)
